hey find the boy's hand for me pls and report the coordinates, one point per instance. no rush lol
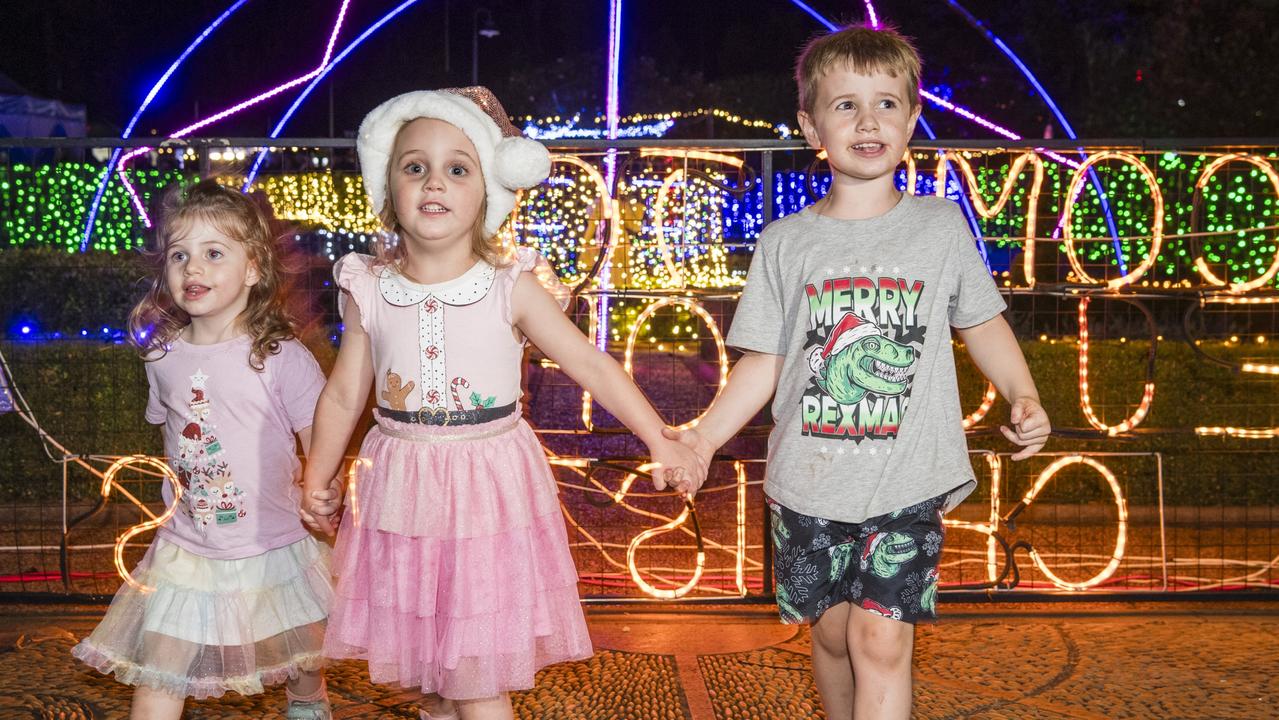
(1030, 427)
(321, 514)
(700, 446)
(678, 467)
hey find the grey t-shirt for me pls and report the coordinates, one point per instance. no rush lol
(867, 406)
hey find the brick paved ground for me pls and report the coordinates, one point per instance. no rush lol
(1150, 660)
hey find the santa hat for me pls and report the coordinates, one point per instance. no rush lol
(847, 331)
(508, 160)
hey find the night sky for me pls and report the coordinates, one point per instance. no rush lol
(1138, 68)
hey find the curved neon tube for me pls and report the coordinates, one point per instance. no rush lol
(128, 130)
(306, 92)
(1057, 113)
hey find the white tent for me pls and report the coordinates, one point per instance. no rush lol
(26, 116)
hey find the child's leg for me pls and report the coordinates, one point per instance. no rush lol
(881, 649)
(832, 666)
(152, 704)
(436, 707)
(307, 686)
(498, 708)
(308, 697)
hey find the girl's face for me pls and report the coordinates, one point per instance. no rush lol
(436, 187)
(208, 274)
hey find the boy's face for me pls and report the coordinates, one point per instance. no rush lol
(863, 122)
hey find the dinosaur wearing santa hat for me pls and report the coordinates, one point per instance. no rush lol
(858, 359)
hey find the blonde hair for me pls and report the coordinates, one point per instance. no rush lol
(390, 251)
(157, 320)
(863, 49)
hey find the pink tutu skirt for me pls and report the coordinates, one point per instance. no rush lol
(453, 568)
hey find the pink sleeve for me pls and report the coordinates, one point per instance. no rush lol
(529, 260)
(353, 273)
(156, 413)
(299, 382)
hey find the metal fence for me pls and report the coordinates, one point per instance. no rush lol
(1140, 277)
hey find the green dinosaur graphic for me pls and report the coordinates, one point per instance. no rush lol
(929, 599)
(886, 552)
(840, 556)
(873, 364)
(790, 614)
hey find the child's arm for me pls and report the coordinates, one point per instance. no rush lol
(336, 413)
(750, 386)
(994, 349)
(540, 318)
(324, 502)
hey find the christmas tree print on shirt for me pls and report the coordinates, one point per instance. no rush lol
(210, 497)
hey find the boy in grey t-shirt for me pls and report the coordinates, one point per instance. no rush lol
(845, 321)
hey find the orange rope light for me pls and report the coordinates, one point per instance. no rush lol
(1157, 219)
(108, 480)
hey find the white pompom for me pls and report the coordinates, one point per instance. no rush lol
(519, 163)
(816, 362)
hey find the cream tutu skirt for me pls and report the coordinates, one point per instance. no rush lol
(215, 625)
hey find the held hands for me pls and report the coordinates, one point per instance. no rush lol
(695, 444)
(1030, 427)
(321, 512)
(677, 465)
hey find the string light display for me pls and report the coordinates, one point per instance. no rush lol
(1156, 219)
(1005, 194)
(1200, 185)
(989, 528)
(109, 484)
(697, 309)
(1085, 400)
(640, 125)
(1121, 523)
(987, 402)
(563, 216)
(1220, 232)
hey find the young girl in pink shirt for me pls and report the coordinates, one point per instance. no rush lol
(236, 590)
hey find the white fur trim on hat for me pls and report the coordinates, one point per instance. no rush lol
(508, 164)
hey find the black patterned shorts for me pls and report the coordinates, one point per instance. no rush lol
(886, 565)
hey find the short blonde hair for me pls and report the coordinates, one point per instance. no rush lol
(863, 49)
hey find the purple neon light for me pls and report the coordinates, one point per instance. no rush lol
(610, 159)
(328, 53)
(137, 114)
(870, 13)
(614, 63)
(306, 92)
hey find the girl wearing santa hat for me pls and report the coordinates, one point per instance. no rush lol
(454, 572)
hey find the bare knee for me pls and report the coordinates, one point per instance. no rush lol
(830, 632)
(880, 642)
(152, 704)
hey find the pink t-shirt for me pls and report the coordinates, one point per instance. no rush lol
(229, 435)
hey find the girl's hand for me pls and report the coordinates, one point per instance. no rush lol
(678, 467)
(322, 512)
(1030, 427)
